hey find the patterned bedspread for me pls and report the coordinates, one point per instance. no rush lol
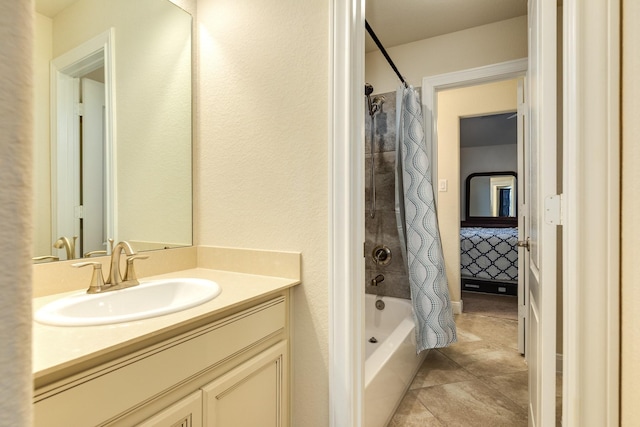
(489, 253)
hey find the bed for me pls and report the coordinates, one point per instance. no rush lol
(489, 259)
(489, 233)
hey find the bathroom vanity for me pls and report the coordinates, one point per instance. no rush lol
(222, 363)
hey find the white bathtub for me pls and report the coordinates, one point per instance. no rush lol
(392, 363)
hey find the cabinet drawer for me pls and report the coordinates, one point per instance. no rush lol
(131, 381)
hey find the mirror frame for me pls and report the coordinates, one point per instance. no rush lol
(488, 221)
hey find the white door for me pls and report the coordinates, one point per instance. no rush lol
(66, 185)
(544, 211)
(523, 218)
(93, 154)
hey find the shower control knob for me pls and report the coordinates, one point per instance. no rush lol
(381, 255)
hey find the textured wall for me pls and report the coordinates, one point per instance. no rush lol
(16, 134)
(262, 158)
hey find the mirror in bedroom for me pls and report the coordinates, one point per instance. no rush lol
(113, 126)
(491, 196)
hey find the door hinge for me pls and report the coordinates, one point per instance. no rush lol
(78, 212)
(80, 109)
(553, 209)
(522, 311)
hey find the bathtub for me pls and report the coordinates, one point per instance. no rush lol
(391, 363)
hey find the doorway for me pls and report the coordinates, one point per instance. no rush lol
(82, 141)
(583, 251)
(478, 136)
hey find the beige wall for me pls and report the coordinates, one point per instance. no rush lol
(630, 297)
(16, 146)
(262, 158)
(483, 99)
(475, 47)
(42, 54)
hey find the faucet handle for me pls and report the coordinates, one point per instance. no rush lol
(95, 253)
(130, 274)
(97, 279)
(45, 258)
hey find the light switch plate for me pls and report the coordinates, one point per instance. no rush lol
(442, 185)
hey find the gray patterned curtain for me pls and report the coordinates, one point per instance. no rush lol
(418, 228)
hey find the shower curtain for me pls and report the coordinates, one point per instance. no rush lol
(418, 228)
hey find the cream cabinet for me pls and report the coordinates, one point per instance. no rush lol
(253, 394)
(184, 413)
(230, 372)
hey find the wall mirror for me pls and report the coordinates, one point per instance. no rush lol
(491, 199)
(113, 126)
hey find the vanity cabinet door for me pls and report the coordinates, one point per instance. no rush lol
(253, 394)
(184, 413)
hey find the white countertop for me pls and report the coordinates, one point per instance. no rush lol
(57, 348)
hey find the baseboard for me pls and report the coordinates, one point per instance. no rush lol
(456, 307)
(559, 363)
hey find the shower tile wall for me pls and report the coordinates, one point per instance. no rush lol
(382, 230)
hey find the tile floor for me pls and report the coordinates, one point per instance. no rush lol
(479, 381)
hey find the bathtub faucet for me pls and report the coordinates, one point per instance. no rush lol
(379, 278)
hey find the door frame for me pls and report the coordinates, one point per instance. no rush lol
(431, 85)
(591, 213)
(346, 214)
(65, 152)
(585, 26)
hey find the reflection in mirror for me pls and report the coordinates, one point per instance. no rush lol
(112, 126)
(491, 196)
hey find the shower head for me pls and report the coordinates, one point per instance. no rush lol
(368, 89)
(376, 105)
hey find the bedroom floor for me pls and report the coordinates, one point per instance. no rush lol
(481, 380)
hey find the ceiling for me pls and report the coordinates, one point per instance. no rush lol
(51, 8)
(397, 22)
(495, 129)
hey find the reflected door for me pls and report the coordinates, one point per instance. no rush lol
(92, 220)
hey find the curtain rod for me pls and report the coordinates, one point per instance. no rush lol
(384, 52)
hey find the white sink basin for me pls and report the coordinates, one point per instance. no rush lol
(148, 299)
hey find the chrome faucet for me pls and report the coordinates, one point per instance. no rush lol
(114, 280)
(68, 245)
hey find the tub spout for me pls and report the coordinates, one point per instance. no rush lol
(379, 278)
